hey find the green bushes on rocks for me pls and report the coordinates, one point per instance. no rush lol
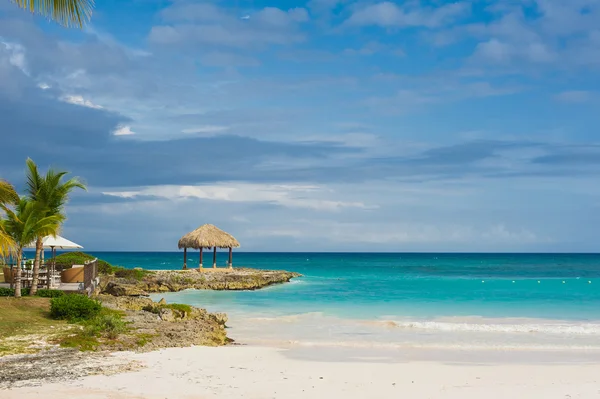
(74, 307)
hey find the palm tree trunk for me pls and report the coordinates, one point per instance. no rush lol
(17, 274)
(36, 266)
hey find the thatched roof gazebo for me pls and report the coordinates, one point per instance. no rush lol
(208, 236)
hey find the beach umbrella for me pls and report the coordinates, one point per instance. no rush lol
(54, 242)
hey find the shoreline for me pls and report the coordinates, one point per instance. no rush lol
(163, 281)
(263, 372)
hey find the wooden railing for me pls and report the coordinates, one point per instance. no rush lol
(90, 274)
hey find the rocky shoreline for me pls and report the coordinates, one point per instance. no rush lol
(178, 280)
(151, 325)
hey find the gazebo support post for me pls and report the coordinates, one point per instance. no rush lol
(215, 257)
(201, 251)
(184, 258)
(230, 258)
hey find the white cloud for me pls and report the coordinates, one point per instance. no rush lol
(290, 195)
(277, 17)
(123, 130)
(205, 129)
(225, 59)
(374, 47)
(77, 100)
(400, 233)
(387, 14)
(574, 96)
(16, 55)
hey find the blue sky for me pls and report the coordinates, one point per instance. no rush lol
(315, 126)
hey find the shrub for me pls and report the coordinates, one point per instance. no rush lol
(108, 323)
(11, 291)
(184, 310)
(136, 274)
(104, 267)
(44, 293)
(74, 307)
(67, 260)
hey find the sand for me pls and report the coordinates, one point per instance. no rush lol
(267, 372)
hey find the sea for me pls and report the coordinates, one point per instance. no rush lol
(387, 300)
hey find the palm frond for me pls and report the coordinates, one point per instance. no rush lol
(8, 195)
(8, 246)
(65, 12)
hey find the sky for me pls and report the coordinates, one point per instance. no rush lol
(327, 125)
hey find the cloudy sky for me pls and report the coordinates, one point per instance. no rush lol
(326, 125)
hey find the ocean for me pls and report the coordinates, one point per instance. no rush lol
(406, 299)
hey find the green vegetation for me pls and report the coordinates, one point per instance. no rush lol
(135, 274)
(11, 291)
(67, 260)
(107, 324)
(180, 309)
(74, 308)
(45, 293)
(67, 13)
(28, 319)
(24, 320)
(25, 291)
(25, 316)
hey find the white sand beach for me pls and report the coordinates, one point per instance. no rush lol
(267, 372)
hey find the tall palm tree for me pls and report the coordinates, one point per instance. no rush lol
(24, 224)
(65, 12)
(8, 196)
(51, 195)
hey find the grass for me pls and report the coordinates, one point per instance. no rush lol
(25, 320)
(25, 315)
(101, 329)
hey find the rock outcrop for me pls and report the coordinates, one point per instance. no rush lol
(177, 280)
(155, 325)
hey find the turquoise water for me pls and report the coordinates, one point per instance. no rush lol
(415, 286)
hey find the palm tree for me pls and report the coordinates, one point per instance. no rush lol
(65, 12)
(51, 194)
(8, 196)
(24, 224)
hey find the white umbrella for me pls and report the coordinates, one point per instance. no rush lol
(59, 242)
(51, 242)
(54, 242)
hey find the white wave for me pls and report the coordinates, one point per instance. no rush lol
(415, 345)
(545, 328)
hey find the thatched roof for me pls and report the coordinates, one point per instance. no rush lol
(207, 236)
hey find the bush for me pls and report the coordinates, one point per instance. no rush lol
(25, 291)
(136, 274)
(105, 267)
(44, 293)
(108, 323)
(74, 307)
(11, 291)
(179, 308)
(67, 260)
